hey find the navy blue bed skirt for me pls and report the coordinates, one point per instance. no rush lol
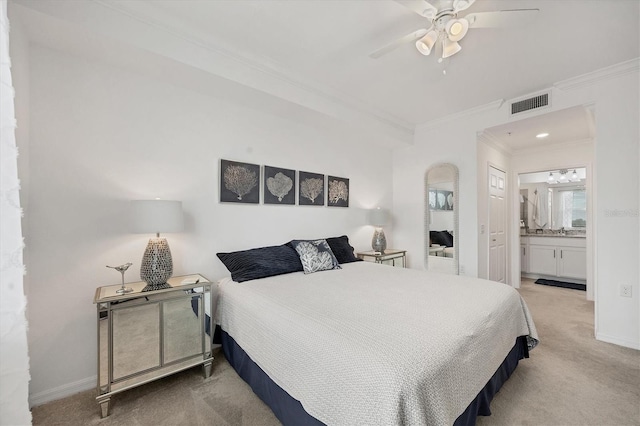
(290, 412)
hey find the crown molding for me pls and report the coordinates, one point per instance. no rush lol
(145, 13)
(613, 71)
(492, 106)
(142, 25)
(494, 143)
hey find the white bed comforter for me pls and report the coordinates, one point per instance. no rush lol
(371, 344)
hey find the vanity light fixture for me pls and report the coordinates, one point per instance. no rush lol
(563, 178)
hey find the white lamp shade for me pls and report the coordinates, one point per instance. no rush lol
(457, 28)
(155, 216)
(450, 48)
(425, 44)
(378, 217)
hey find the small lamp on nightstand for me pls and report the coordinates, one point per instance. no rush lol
(156, 216)
(378, 217)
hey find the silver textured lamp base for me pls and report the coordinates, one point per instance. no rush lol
(379, 241)
(157, 264)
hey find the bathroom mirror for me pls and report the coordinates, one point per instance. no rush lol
(553, 200)
(441, 218)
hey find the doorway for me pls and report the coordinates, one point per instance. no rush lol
(554, 216)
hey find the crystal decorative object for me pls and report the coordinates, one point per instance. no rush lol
(157, 264)
(379, 241)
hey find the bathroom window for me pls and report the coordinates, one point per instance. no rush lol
(574, 208)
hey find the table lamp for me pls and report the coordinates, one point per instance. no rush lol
(378, 217)
(154, 217)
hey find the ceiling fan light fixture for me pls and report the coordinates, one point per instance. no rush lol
(449, 48)
(456, 29)
(426, 43)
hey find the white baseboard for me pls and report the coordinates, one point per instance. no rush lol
(618, 341)
(62, 391)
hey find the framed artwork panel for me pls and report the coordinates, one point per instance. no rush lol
(239, 182)
(432, 199)
(441, 200)
(338, 192)
(279, 186)
(311, 189)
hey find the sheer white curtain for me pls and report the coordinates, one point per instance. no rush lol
(14, 361)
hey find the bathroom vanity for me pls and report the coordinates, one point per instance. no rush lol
(554, 256)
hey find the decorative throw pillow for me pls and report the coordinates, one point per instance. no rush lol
(261, 262)
(442, 238)
(315, 255)
(342, 249)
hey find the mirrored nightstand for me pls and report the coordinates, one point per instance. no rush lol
(389, 255)
(146, 335)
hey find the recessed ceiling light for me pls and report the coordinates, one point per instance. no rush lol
(542, 135)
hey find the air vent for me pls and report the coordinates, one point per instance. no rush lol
(536, 102)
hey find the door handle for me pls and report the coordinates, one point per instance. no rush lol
(493, 239)
(554, 254)
(561, 254)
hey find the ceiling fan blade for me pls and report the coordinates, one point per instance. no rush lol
(421, 7)
(502, 18)
(395, 44)
(460, 5)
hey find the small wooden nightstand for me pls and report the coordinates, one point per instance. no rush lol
(389, 254)
(146, 335)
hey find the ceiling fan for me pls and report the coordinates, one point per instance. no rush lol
(448, 28)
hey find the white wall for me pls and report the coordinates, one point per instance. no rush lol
(436, 143)
(615, 96)
(101, 136)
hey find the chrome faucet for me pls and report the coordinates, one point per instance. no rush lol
(562, 232)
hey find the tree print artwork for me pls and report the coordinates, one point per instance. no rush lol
(239, 182)
(338, 195)
(311, 189)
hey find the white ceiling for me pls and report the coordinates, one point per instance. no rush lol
(315, 53)
(564, 126)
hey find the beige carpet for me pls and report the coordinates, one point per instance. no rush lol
(570, 379)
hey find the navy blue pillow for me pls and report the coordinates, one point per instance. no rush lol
(342, 249)
(443, 238)
(261, 262)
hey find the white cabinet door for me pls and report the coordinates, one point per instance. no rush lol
(524, 259)
(572, 262)
(542, 260)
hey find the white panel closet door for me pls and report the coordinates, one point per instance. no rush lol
(497, 225)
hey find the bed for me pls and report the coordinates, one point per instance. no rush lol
(371, 344)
